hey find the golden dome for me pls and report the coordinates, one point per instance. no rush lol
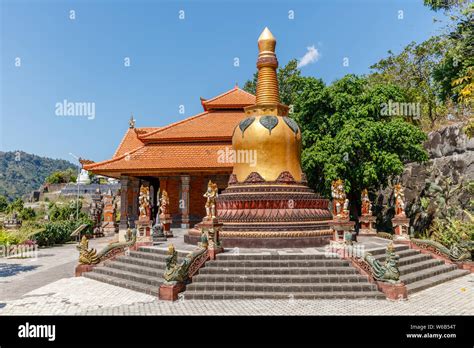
(267, 136)
(272, 142)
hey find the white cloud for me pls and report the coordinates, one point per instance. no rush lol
(311, 56)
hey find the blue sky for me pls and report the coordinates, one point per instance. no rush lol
(173, 61)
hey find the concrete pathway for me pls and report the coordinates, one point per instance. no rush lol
(21, 275)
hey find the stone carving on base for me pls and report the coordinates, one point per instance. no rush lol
(400, 222)
(388, 271)
(367, 220)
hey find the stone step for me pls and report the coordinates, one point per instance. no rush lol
(381, 251)
(148, 256)
(426, 273)
(410, 260)
(435, 280)
(139, 269)
(161, 251)
(279, 279)
(403, 254)
(241, 295)
(124, 283)
(285, 287)
(277, 271)
(142, 262)
(230, 256)
(419, 266)
(286, 263)
(135, 277)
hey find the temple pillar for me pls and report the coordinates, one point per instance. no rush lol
(129, 188)
(184, 202)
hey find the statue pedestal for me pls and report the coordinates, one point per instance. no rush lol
(165, 220)
(367, 225)
(169, 292)
(396, 291)
(80, 269)
(211, 228)
(342, 229)
(400, 225)
(143, 230)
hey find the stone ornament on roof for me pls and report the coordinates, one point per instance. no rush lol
(131, 122)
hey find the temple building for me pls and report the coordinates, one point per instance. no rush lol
(180, 158)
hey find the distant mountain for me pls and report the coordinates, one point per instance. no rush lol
(21, 172)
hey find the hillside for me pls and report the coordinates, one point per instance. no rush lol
(21, 172)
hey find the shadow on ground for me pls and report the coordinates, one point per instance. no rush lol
(8, 270)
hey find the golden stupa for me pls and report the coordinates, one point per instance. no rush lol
(268, 131)
(267, 203)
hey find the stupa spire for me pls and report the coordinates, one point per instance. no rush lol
(267, 63)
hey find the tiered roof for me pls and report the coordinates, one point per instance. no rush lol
(185, 146)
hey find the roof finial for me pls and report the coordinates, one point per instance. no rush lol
(236, 85)
(131, 123)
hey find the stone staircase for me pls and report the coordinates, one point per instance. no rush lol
(291, 276)
(294, 276)
(420, 271)
(141, 271)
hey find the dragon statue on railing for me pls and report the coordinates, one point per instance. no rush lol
(458, 252)
(91, 257)
(386, 272)
(175, 272)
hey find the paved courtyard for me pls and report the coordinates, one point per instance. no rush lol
(46, 286)
(82, 296)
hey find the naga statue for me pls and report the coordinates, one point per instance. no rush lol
(388, 271)
(175, 272)
(87, 256)
(211, 195)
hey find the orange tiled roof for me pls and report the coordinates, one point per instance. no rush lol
(235, 98)
(169, 156)
(209, 125)
(130, 140)
(190, 144)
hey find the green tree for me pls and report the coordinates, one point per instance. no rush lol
(346, 136)
(412, 71)
(16, 205)
(3, 203)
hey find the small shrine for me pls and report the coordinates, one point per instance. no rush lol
(367, 220)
